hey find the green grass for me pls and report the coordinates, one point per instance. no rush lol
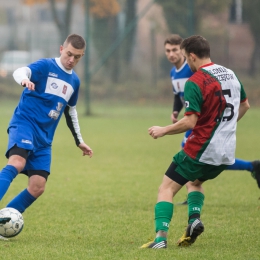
(102, 208)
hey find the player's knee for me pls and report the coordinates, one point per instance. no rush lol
(36, 185)
(17, 162)
(166, 190)
(36, 190)
(195, 183)
(39, 191)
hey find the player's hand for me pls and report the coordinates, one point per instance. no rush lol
(174, 117)
(86, 149)
(156, 131)
(28, 84)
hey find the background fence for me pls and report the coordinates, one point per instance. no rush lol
(126, 58)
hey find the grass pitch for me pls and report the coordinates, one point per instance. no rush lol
(103, 207)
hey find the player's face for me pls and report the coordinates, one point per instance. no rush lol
(173, 54)
(189, 60)
(70, 56)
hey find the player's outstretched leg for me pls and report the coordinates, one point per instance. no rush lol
(7, 174)
(256, 172)
(191, 233)
(22, 201)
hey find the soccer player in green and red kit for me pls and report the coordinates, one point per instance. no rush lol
(214, 101)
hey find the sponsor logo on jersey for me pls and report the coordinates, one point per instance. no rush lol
(26, 141)
(54, 114)
(53, 74)
(187, 103)
(64, 89)
(59, 106)
(54, 85)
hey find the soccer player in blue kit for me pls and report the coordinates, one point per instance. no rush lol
(179, 75)
(51, 88)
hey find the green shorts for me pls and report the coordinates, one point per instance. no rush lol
(192, 170)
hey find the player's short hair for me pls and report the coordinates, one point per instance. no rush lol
(173, 39)
(196, 44)
(76, 41)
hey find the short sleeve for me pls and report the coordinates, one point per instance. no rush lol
(38, 68)
(242, 94)
(193, 98)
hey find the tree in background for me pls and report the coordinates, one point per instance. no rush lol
(105, 27)
(130, 13)
(251, 14)
(105, 30)
(62, 24)
(184, 17)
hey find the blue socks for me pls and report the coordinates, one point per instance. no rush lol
(241, 165)
(7, 175)
(22, 201)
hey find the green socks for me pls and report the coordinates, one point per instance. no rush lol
(163, 214)
(163, 211)
(195, 202)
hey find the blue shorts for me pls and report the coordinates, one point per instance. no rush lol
(39, 157)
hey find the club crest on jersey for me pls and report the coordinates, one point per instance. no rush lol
(54, 85)
(64, 89)
(187, 103)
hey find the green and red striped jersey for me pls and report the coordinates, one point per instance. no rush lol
(214, 93)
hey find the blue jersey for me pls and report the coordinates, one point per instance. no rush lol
(41, 109)
(179, 78)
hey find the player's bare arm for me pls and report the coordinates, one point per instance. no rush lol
(186, 123)
(86, 149)
(244, 106)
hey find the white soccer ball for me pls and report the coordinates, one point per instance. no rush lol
(14, 226)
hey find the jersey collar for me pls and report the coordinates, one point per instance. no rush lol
(182, 66)
(206, 65)
(61, 66)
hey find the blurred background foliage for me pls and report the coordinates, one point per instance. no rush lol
(125, 58)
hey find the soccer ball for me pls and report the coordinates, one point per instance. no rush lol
(14, 226)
